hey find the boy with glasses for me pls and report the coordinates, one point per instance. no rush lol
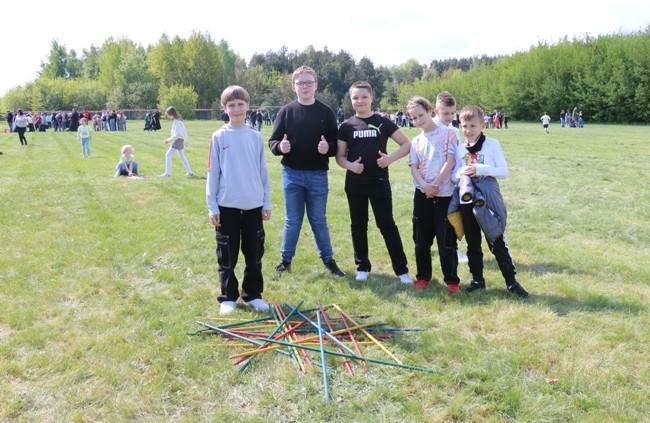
(304, 135)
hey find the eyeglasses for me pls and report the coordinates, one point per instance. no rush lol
(305, 84)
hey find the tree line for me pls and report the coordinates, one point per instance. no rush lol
(607, 77)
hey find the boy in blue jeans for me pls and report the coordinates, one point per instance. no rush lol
(304, 134)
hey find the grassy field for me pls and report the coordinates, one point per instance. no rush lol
(102, 278)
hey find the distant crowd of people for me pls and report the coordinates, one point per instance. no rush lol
(568, 119)
(571, 119)
(62, 121)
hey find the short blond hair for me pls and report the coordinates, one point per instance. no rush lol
(124, 147)
(470, 112)
(301, 70)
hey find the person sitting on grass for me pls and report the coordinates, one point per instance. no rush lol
(127, 166)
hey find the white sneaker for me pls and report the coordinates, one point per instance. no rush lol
(189, 174)
(227, 307)
(362, 276)
(258, 304)
(165, 175)
(406, 279)
(462, 257)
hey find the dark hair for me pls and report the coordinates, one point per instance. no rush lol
(362, 84)
(171, 111)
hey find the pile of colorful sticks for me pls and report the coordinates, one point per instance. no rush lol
(325, 330)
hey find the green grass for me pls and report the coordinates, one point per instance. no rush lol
(102, 278)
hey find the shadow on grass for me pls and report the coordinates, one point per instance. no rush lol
(388, 287)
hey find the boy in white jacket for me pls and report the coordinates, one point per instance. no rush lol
(482, 157)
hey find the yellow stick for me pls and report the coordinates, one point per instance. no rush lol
(372, 338)
(296, 353)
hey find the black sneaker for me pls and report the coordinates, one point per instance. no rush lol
(475, 286)
(515, 288)
(284, 266)
(333, 268)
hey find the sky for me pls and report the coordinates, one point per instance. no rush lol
(388, 34)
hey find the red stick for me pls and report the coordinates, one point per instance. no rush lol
(329, 326)
(351, 335)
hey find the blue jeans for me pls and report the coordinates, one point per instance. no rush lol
(120, 169)
(85, 147)
(305, 189)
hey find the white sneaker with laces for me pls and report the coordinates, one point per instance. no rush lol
(362, 276)
(227, 307)
(258, 304)
(164, 175)
(406, 279)
(462, 257)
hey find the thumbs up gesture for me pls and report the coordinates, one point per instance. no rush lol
(356, 166)
(384, 160)
(323, 146)
(285, 145)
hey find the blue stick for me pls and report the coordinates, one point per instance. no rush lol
(322, 357)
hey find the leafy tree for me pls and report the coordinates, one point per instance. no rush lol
(205, 70)
(84, 94)
(35, 97)
(255, 80)
(57, 60)
(279, 62)
(109, 60)
(166, 60)
(329, 98)
(15, 99)
(52, 92)
(90, 61)
(280, 91)
(407, 72)
(73, 65)
(135, 87)
(182, 97)
(232, 63)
